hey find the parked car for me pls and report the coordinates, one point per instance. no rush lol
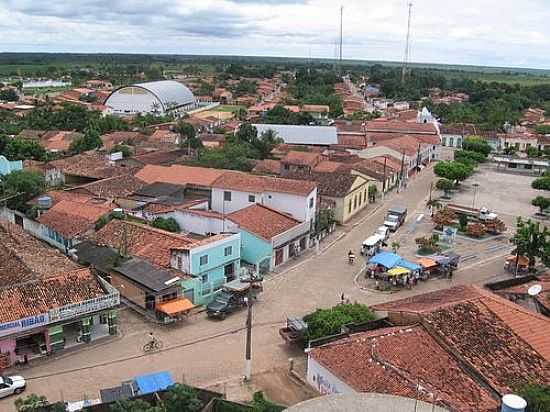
(395, 218)
(383, 231)
(371, 246)
(231, 298)
(10, 385)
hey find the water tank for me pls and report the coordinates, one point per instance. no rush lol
(513, 403)
(44, 202)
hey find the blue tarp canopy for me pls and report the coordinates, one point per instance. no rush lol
(153, 382)
(409, 265)
(386, 259)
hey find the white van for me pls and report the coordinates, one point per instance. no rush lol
(371, 245)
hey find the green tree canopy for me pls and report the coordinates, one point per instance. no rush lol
(453, 170)
(26, 185)
(476, 144)
(169, 224)
(326, 322)
(469, 156)
(37, 403)
(22, 149)
(89, 141)
(185, 130)
(542, 183)
(537, 397)
(531, 240)
(231, 156)
(445, 184)
(125, 149)
(541, 202)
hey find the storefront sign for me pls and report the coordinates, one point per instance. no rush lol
(81, 308)
(20, 325)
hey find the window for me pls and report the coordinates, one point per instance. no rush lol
(451, 141)
(365, 196)
(204, 260)
(227, 196)
(311, 203)
(350, 205)
(228, 251)
(204, 278)
(286, 166)
(251, 198)
(229, 272)
(355, 202)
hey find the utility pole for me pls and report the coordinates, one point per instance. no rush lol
(252, 280)
(341, 36)
(404, 69)
(402, 170)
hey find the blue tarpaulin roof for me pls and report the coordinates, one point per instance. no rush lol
(153, 382)
(408, 265)
(386, 259)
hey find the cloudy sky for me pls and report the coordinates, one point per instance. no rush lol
(479, 32)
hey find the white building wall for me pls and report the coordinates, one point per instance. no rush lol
(190, 222)
(295, 232)
(323, 381)
(296, 205)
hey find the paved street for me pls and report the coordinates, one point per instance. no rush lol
(203, 352)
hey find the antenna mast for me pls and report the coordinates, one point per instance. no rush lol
(341, 36)
(404, 69)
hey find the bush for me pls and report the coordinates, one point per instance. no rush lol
(168, 224)
(537, 397)
(476, 144)
(469, 156)
(541, 202)
(445, 184)
(542, 183)
(532, 151)
(125, 149)
(326, 322)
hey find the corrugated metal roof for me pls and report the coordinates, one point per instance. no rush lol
(307, 135)
(169, 91)
(153, 382)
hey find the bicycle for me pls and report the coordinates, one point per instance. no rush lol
(152, 345)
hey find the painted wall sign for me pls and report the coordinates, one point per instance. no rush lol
(20, 325)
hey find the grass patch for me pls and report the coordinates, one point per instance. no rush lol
(228, 108)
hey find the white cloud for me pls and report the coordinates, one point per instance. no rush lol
(484, 32)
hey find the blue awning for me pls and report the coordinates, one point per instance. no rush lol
(153, 382)
(408, 265)
(386, 259)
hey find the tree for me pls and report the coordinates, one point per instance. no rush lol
(372, 191)
(530, 240)
(185, 130)
(246, 133)
(37, 403)
(453, 170)
(532, 151)
(427, 245)
(231, 156)
(326, 322)
(169, 224)
(9, 95)
(476, 144)
(462, 221)
(446, 185)
(542, 183)
(395, 246)
(23, 185)
(469, 156)
(266, 143)
(182, 398)
(89, 141)
(22, 149)
(125, 149)
(444, 217)
(537, 397)
(135, 405)
(543, 128)
(541, 202)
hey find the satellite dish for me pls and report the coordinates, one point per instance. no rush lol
(534, 290)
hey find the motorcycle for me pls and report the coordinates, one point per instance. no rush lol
(351, 258)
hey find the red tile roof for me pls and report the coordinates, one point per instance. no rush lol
(94, 165)
(24, 258)
(295, 157)
(113, 187)
(504, 342)
(383, 125)
(257, 184)
(268, 166)
(263, 221)
(329, 166)
(71, 219)
(404, 362)
(37, 297)
(178, 174)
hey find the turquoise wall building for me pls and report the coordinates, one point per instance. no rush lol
(6, 166)
(255, 250)
(211, 266)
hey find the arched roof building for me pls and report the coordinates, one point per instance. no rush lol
(160, 97)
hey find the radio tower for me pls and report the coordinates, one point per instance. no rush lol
(341, 37)
(405, 67)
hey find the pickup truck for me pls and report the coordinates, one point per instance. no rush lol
(231, 298)
(395, 218)
(483, 214)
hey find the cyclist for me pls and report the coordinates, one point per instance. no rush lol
(152, 339)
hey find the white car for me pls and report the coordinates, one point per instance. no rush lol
(11, 384)
(392, 222)
(383, 231)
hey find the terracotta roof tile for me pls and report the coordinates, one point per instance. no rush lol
(383, 125)
(178, 174)
(396, 360)
(113, 187)
(24, 258)
(329, 166)
(71, 219)
(268, 166)
(39, 296)
(263, 221)
(94, 165)
(331, 184)
(250, 183)
(295, 157)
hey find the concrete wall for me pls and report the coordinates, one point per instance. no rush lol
(253, 248)
(128, 289)
(296, 232)
(296, 205)
(193, 223)
(323, 381)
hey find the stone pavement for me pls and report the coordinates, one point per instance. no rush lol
(204, 352)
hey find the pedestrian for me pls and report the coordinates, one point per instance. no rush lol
(342, 298)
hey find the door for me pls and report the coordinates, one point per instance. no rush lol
(279, 257)
(5, 390)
